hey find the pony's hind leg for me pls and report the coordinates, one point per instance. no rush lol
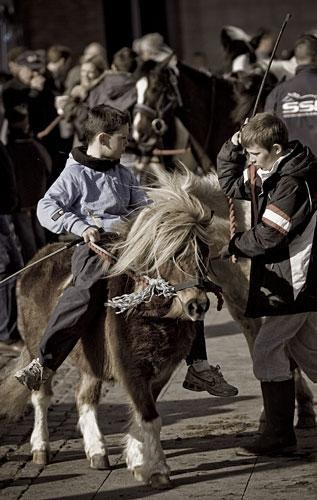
(144, 454)
(87, 399)
(40, 446)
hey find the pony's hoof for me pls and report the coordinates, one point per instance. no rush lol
(161, 482)
(306, 422)
(99, 462)
(137, 474)
(41, 457)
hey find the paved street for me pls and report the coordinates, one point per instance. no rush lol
(201, 438)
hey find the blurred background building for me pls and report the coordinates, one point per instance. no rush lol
(188, 26)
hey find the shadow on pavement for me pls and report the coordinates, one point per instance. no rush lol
(222, 330)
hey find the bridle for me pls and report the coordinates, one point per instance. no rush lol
(201, 281)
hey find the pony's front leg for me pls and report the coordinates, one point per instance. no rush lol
(87, 399)
(40, 446)
(144, 454)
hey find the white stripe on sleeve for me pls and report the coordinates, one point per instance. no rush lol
(277, 220)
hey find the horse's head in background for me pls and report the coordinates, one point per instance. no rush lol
(157, 98)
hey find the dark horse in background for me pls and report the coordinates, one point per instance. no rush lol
(215, 106)
(210, 107)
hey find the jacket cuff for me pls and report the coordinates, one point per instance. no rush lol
(79, 227)
(233, 249)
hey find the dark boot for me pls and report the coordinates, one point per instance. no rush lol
(279, 404)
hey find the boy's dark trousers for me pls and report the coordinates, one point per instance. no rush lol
(198, 350)
(77, 309)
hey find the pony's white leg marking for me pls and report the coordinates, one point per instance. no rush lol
(93, 439)
(40, 438)
(134, 447)
(144, 453)
(141, 87)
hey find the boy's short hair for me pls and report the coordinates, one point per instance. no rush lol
(264, 129)
(104, 119)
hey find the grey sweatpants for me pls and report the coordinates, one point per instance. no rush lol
(281, 338)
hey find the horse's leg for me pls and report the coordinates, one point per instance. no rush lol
(40, 446)
(87, 398)
(304, 397)
(144, 453)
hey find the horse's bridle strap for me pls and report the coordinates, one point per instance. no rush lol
(205, 284)
(145, 109)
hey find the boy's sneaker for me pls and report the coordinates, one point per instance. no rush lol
(210, 380)
(33, 375)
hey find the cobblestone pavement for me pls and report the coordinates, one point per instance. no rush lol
(201, 438)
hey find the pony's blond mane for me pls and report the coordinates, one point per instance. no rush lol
(168, 227)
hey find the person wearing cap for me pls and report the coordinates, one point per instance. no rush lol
(239, 48)
(152, 47)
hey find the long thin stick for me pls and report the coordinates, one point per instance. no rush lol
(28, 266)
(287, 18)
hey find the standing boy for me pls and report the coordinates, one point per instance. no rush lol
(282, 245)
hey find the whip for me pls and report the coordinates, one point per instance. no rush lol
(28, 266)
(277, 41)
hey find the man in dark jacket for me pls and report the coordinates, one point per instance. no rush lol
(295, 100)
(282, 244)
(10, 257)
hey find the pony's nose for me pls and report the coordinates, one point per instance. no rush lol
(196, 309)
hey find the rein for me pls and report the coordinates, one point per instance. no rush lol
(154, 285)
(170, 152)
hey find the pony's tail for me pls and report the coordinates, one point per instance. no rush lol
(13, 395)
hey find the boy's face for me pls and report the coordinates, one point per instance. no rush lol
(115, 143)
(261, 157)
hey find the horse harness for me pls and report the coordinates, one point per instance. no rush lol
(159, 286)
(157, 114)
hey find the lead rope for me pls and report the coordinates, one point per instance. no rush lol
(232, 224)
(252, 177)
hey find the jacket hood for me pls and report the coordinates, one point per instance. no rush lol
(299, 162)
(99, 164)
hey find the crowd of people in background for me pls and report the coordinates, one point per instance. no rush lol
(45, 98)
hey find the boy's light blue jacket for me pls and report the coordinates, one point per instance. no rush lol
(82, 197)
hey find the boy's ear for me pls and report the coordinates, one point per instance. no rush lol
(277, 148)
(104, 139)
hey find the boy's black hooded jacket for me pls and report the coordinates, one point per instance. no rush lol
(283, 240)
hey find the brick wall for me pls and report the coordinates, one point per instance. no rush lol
(67, 22)
(192, 24)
